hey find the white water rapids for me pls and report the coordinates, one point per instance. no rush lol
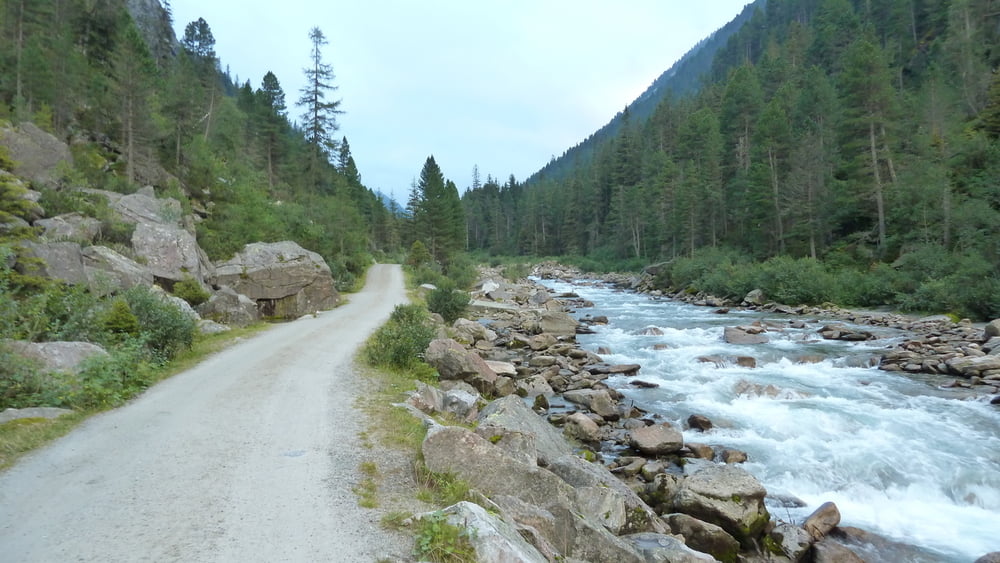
(899, 456)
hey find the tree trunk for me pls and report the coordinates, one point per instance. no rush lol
(879, 196)
(777, 200)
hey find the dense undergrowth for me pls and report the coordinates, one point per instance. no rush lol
(928, 279)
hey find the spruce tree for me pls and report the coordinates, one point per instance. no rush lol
(319, 118)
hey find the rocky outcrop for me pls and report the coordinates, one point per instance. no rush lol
(454, 362)
(284, 279)
(62, 261)
(70, 226)
(495, 539)
(170, 252)
(65, 357)
(38, 156)
(108, 271)
(228, 307)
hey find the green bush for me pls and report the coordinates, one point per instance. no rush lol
(109, 380)
(21, 384)
(120, 320)
(191, 291)
(165, 329)
(792, 281)
(448, 302)
(400, 342)
(437, 540)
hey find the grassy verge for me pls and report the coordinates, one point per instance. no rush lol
(20, 436)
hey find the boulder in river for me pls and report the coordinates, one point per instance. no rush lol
(822, 520)
(727, 496)
(659, 439)
(741, 335)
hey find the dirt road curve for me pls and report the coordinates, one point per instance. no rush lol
(250, 456)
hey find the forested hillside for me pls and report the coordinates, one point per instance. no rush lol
(140, 107)
(862, 134)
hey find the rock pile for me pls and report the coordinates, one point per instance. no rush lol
(652, 497)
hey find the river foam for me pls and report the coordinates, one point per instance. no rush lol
(899, 456)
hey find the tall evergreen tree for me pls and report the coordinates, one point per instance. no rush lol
(319, 118)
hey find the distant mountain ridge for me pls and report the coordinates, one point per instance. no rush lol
(682, 78)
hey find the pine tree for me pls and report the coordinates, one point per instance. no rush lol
(319, 120)
(134, 72)
(273, 123)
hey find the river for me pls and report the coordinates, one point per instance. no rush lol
(898, 455)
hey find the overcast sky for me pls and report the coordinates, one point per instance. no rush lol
(502, 84)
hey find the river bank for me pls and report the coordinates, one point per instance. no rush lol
(532, 351)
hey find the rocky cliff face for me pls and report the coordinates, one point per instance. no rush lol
(153, 22)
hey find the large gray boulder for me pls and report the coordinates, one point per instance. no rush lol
(488, 468)
(558, 323)
(56, 356)
(512, 413)
(228, 307)
(659, 439)
(492, 537)
(741, 335)
(595, 481)
(454, 362)
(108, 271)
(284, 279)
(38, 156)
(70, 226)
(62, 261)
(661, 548)
(144, 207)
(704, 537)
(170, 252)
(727, 496)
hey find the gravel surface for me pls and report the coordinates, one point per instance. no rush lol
(251, 456)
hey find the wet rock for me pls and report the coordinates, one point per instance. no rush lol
(582, 427)
(754, 297)
(659, 439)
(822, 520)
(704, 537)
(733, 456)
(699, 422)
(828, 551)
(651, 331)
(727, 496)
(622, 369)
(558, 323)
(746, 362)
(742, 336)
(700, 451)
(643, 384)
(793, 541)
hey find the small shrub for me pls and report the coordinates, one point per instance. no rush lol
(439, 541)
(448, 302)
(191, 291)
(120, 320)
(164, 328)
(401, 341)
(108, 381)
(418, 255)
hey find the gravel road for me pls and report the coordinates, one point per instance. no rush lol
(251, 456)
